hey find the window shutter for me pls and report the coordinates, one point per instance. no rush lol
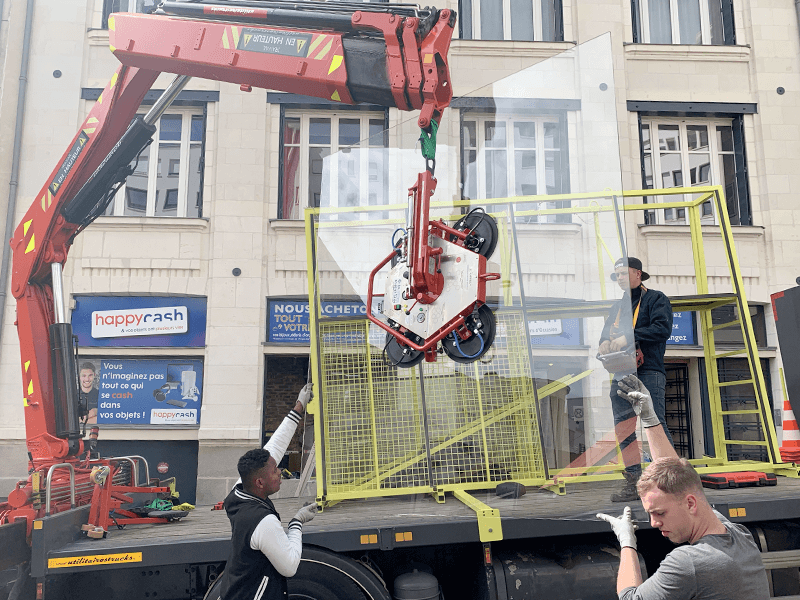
(728, 30)
(636, 22)
(465, 19)
(742, 184)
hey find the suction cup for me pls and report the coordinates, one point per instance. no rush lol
(403, 356)
(482, 226)
(471, 349)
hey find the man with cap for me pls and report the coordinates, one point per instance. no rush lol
(652, 325)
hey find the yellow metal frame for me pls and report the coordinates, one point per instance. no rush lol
(600, 203)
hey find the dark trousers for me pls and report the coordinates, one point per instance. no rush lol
(656, 383)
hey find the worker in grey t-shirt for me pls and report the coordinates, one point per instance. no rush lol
(721, 560)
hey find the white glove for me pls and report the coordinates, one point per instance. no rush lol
(305, 394)
(633, 390)
(624, 528)
(305, 514)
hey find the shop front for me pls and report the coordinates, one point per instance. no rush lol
(141, 375)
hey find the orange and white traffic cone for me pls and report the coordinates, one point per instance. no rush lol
(790, 449)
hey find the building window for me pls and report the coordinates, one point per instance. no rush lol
(515, 156)
(533, 20)
(307, 179)
(132, 6)
(678, 408)
(167, 178)
(733, 334)
(746, 427)
(692, 153)
(683, 22)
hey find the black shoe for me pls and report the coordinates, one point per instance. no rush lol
(627, 493)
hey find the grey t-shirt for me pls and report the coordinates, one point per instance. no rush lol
(723, 566)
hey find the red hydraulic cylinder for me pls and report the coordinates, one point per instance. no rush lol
(427, 281)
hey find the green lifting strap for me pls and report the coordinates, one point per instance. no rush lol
(428, 141)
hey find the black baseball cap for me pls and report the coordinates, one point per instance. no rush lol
(631, 262)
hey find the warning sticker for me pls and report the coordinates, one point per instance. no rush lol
(94, 559)
(286, 43)
(69, 162)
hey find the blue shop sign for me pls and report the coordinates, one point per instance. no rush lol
(121, 391)
(683, 329)
(555, 332)
(289, 323)
(140, 321)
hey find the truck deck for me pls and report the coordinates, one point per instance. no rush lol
(378, 523)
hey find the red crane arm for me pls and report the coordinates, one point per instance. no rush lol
(44, 236)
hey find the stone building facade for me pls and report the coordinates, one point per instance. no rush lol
(721, 81)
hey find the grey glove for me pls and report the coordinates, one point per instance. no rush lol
(624, 528)
(305, 395)
(305, 514)
(633, 390)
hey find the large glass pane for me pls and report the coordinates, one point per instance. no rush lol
(491, 19)
(537, 401)
(522, 23)
(689, 21)
(660, 23)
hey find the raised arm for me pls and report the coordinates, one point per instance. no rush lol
(633, 390)
(279, 440)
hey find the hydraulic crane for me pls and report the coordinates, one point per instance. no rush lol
(390, 55)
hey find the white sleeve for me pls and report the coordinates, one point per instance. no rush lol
(282, 549)
(279, 440)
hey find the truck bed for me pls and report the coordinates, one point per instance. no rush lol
(375, 523)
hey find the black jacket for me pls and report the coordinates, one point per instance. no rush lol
(653, 326)
(248, 574)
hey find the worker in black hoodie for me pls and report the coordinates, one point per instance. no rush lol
(262, 555)
(651, 317)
